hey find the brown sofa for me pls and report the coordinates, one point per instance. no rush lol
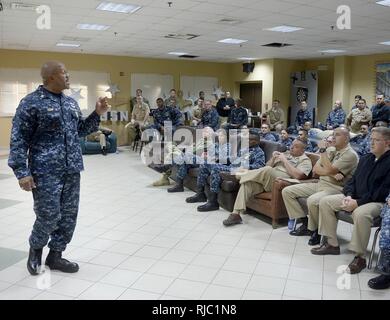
(269, 204)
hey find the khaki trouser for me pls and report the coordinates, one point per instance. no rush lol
(254, 182)
(314, 192)
(131, 128)
(362, 219)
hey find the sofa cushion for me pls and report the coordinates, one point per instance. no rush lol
(269, 147)
(193, 172)
(230, 185)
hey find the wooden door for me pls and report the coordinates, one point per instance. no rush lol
(251, 94)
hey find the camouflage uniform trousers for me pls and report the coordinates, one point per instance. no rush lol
(212, 170)
(56, 203)
(384, 241)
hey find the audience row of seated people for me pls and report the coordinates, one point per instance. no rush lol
(345, 183)
(354, 182)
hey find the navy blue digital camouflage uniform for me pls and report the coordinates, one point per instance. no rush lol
(166, 114)
(268, 137)
(45, 145)
(361, 144)
(288, 142)
(237, 117)
(384, 240)
(251, 158)
(335, 118)
(188, 161)
(210, 118)
(302, 117)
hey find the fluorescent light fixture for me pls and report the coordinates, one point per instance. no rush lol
(118, 7)
(384, 3)
(96, 27)
(386, 43)
(73, 45)
(232, 41)
(332, 51)
(177, 53)
(284, 29)
(246, 58)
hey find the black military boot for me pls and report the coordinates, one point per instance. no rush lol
(34, 261)
(178, 187)
(104, 151)
(199, 196)
(212, 203)
(55, 262)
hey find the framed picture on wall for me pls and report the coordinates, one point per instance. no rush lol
(382, 83)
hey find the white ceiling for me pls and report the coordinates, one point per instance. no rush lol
(142, 33)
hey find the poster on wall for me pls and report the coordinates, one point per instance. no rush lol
(383, 79)
(304, 87)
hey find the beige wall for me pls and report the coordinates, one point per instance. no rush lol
(113, 65)
(344, 78)
(263, 72)
(325, 86)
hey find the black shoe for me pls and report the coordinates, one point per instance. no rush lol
(198, 197)
(380, 282)
(178, 187)
(315, 238)
(34, 261)
(301, 231)
(211, 205)
(104, 151)
(55, 262)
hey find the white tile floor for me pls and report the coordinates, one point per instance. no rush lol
(134, 241)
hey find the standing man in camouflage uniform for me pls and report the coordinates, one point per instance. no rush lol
(210, 116)
(383, 281)
(46, 158)
(238, 117)
(336, 116)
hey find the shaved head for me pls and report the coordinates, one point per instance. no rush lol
(50, 68)
(55, 77)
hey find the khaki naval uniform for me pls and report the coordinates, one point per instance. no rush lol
(345, 161)
(140, 114)
(261, 180)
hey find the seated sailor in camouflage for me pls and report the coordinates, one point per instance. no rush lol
(336, 116)
(238, 117)
(249, 158)
(383, 281)
(210, 117)
(285, 139)
(203, 151)
(46, 158)
(310, 146)
(266, 134)
(361, 142)
(165, 115)
(101, 137)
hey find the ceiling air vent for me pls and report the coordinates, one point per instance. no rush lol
(76, 39)
(186, 36)
(189, 56)
(277, 45)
